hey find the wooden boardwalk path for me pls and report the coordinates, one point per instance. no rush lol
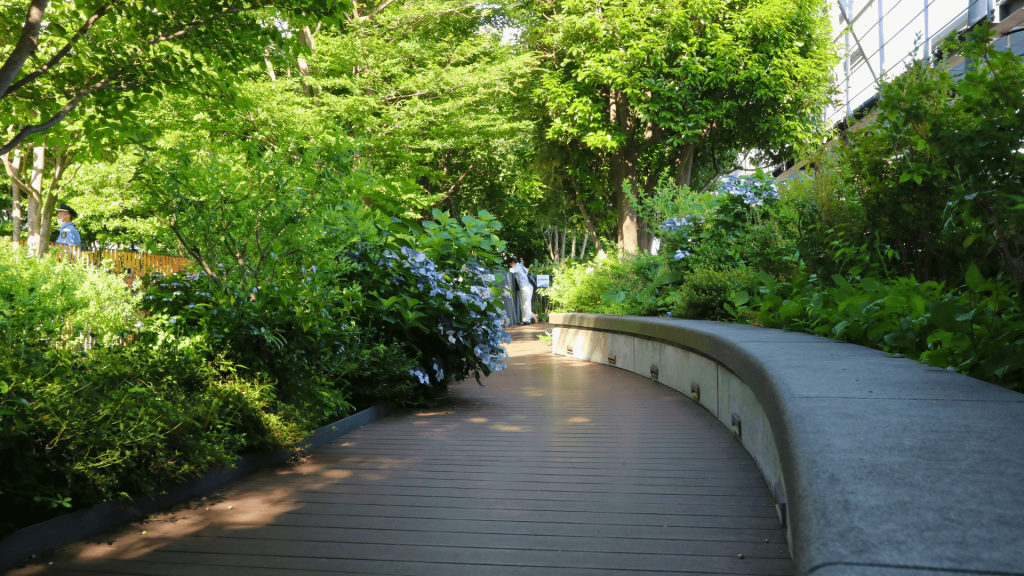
(557, 467)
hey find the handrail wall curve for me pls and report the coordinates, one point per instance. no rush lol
(880, 465)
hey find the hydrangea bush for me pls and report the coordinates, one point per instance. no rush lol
(743, 200)
(380, 322)
(449, 320)
(440, 301)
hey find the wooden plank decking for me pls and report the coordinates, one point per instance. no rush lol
(556, 467)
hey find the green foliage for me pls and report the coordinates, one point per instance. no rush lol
(638, 90)
(47, 301)
(422, 100)
(627, 285)
(705, 292)
(676, 61)
(977, 331)
(236, 213)
(98, 401)
(435, 97)
(940, 169)
(907, 240)
(290, 329)
(111, 60)
(819, 208)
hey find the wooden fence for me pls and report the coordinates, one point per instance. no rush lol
(122, 261)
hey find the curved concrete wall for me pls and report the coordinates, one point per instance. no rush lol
(881, 465)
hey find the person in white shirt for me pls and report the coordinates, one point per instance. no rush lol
(522, 276)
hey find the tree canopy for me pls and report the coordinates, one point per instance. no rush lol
(550, 115)
(650, 86)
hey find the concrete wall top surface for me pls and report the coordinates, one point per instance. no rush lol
(892, 467)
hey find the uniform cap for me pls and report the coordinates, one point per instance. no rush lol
(65, 208)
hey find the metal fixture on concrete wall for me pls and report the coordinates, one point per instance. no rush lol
(568, 350)
(737, 425)
(654, 372)
(611, 360)
(695, 392)
(780, 508)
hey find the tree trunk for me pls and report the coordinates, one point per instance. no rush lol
(46, 219)
(586, 217)
(306, 37)
(624, 172)
(35, 203)
(624, 183)
(583, 250)
(647, 234)
(270, 65)
(684, 165)
(551, 240)
(19, 169)
(561, 248)
(572, 255)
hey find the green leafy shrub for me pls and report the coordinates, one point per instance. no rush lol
(47, 300)
(977, 330)
(939, 172)
(705, 292)
(98, 402)
(624, 285)
(291, 329)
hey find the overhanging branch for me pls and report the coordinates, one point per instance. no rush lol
(36, 128)
(61, 54)
(26, 46)
(14, 176)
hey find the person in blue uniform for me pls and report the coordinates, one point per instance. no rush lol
(67, 233)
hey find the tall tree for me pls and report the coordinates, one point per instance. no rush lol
(78, 71)
(649, 85)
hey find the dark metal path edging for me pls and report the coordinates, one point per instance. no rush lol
(54, 533)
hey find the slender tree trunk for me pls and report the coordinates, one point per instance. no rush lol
(306, 37)
(270, 65)
(46, 219)
(551, 241)
(624, 172)
(624, 181)
(583, 250)
(35, 203)
(572, 255)
(592, 231)
(19, 168)
(684, 165)
(561, 247)
(647, 235)
(643, 238)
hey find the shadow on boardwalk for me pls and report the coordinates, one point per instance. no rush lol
(556, 466)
